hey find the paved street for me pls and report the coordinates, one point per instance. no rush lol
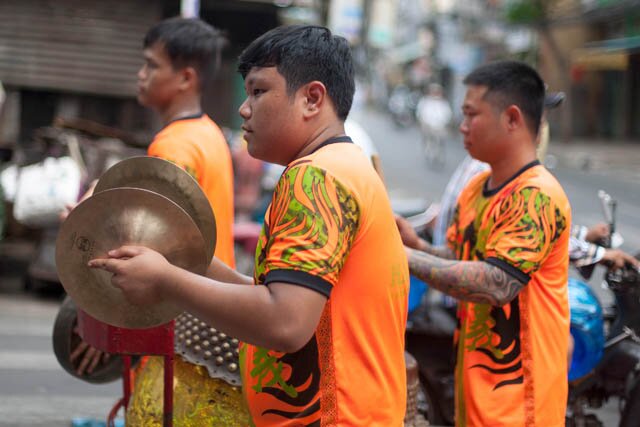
(35, 391)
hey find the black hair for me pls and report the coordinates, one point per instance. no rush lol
(512, 83)
(304, 53)
(189, 42)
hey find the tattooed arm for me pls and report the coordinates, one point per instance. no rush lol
(474, 281)
(411, 239)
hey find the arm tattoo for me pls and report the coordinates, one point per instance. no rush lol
(473, 281)
(439, 251)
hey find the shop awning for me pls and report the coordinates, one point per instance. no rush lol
(627, 44)
(610, 54)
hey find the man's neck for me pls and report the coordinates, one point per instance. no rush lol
(180, 109)
(508, 166)
(319, 136)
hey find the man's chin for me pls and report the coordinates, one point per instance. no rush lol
(142, 100)
(255, 152)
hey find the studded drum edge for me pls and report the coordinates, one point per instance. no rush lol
(200, 344)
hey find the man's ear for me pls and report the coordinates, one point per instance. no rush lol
(514, 117)
(189, 78)
(315, 94)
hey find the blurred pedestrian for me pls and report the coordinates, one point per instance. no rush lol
(434, 115)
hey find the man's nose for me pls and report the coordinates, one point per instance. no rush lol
(141, 73)
(463, 128)
(244, 110)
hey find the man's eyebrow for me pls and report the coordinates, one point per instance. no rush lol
(251, 81)
(255, 79)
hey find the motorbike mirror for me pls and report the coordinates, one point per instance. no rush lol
(553, 99)
(605, 200)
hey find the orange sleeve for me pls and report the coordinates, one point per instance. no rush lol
(312, 224)
(178, 150)
(525, 228)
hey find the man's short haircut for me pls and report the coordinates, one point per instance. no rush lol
(302, 54)
(189, 42)
(512, 83)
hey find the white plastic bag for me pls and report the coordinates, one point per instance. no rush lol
(9, 182)
(44, 189)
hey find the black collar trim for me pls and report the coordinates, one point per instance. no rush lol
(333, 140)
(488, 193)
(189, 117)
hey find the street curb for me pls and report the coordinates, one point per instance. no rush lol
(621, 160)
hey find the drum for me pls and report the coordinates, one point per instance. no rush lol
(587, 329)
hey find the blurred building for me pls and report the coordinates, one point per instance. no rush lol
(591, 50)
(79, 58)
(416, 42)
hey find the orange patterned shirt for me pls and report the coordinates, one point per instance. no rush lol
(512, 360)
(330, 228)
(197, 145)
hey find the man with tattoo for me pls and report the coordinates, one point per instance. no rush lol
(506, 260)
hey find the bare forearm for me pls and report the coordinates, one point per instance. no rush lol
(439, 251)
(221, 272)
(473, 281)
(253, 314)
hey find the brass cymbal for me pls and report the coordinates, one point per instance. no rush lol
(171, 181)
(108, 220)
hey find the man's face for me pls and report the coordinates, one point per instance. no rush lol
(271, 117)
(482, 127)
(158, 82)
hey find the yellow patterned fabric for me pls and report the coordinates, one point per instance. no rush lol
(198, 399)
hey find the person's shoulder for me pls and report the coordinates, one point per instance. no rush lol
(477, 175)
(208, 121)
(191, 129)
(540, 178)
(304, 180)
(345, 164)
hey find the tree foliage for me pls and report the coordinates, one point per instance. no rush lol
(525, 12)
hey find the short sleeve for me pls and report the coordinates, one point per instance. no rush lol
(526, 227)
(178, 151)
(312, 224)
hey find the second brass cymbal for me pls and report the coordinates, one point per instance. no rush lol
(165, 178)
(108, 220)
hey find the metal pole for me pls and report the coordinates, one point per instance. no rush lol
(190, 8)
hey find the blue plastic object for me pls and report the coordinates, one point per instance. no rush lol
(587, 329)
(92, 422)
(417, 288)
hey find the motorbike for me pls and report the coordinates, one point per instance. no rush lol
(429, 339)
(602, 369)
(605, 361)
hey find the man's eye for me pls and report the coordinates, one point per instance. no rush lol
(257, 92)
